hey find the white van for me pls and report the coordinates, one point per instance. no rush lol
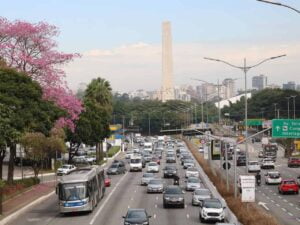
(135, 164)
(148, 146)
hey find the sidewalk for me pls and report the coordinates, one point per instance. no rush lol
(14, 204)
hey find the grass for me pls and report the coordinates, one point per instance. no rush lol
(113, 150)
(247, 213)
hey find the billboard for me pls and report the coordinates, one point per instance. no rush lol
(215, 147)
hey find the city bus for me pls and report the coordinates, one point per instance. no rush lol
(81, 190)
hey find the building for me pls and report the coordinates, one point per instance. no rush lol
(228, 90)
(259, 82)
(182, 94)
(291, 85)
(167, 63)
(273, 86)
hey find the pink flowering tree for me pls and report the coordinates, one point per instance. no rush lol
(30, 48)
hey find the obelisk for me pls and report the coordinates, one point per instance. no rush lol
(167, 63)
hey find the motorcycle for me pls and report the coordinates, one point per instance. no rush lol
(176, 181)
(258, 182)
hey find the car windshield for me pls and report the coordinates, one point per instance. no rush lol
(170, 155)
(193, 180)
(155, 181)
(170, 168)
(289, 182)
(148, 175)
(73, 192)
(66, 167)
(274, 175)
(114, 166)
(192, 169)
(253, 163)
(152, 164)
(202, 192)
(134, 214)
(173, 191)
(212, 204)
(135, 160)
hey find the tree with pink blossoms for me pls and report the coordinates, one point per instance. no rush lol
(30, 48)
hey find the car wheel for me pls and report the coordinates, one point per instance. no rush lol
(165, 205)
(296, 192)
(182, 206)
(201, 219)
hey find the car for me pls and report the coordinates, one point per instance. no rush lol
(136, 216)
(298, 179)
(273, 177)
(152, 167)
(191, 172)
(201, 149)
(185, 157)
(128, 154)
(65, 169)
(253, 166)
(107, 181)
(211, 210)
(155, 186)
(241, 161)
(192, 183)
(169, 171)
(173, 196)
(288, 186)
(199, 195)
(156, 159)
(116, 168)
(170, 158)
(261, 154)
(135, 164)
(188, 163)
(294, 162)
(147, 157)
(267, 163)
(91, 159)
(146, 178)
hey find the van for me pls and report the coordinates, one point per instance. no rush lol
(135, 164)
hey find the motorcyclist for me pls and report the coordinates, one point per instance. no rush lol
(176, 179)
(258, 178)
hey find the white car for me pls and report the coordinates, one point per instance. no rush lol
(211, 210)
(201, 149)
(191, 172)
(152, 167)
(129, 154)
(273, 177)
(90, 159)
(192, 183)
(267, 164)
(146, 178)
(135, 164)
(65, 169)
(253, 166)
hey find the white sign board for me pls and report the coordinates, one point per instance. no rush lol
(205, 152)
(248, 194)
(104, 144)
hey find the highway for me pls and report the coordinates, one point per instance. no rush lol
(286, 208)
(125, 192)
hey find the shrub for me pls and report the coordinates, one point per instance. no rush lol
(112, 151)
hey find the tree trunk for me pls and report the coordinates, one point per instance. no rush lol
(97, 153)
(2, 155)
(11, 163)
(101, 155)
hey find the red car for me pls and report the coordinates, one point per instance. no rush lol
(288, 186)
(107, 182)
(294, 162)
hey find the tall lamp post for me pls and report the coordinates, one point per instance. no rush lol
(294, 103)
(245, 69)
(280, 4)
(275, 105)
(288, 106)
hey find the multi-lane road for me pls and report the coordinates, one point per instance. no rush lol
(286, 208)
(125, 192)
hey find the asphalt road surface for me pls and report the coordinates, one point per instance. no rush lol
(125, 192)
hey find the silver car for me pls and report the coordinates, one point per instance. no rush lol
(155, 186)
(146, 178)
(192, 183)
(199, 195)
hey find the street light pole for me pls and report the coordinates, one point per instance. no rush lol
(245, 69)
(279, 4)
(275, 104)
(294, 103)
(219, 108)
(149, 125)
(288, 105)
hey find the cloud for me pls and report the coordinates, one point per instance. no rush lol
(138, 65)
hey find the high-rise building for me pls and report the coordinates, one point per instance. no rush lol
(167, 63)
(259, 82)
(229, 88)
(291, 85)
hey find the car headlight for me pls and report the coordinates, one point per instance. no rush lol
(204, 212)
(126, 223)
(180, 199)
(167, 198)
(145, 223)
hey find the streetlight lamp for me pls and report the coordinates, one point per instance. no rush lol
(279, 4)
(288, 106)
(245, 69)
(294, 103)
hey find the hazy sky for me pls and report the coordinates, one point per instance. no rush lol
(120, 40)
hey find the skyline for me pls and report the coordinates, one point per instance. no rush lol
(124, 46)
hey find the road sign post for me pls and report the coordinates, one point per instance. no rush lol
(285, 128)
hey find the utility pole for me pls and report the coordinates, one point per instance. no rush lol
(294, 103)
(288, 105)
(149, 125)
(275, 104)
(219, 99)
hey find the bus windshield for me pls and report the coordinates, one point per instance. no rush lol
(73, 191)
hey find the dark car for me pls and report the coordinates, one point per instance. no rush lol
(185, 157)
(136, 216)
(241, 161)
(170, 158)
(116, 168)
(169, 171)
(294, 162)
(173, 196)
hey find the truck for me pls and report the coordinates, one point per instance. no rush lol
(270, 151)
(264, 141)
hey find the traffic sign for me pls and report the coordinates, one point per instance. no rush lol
(285, 128)
(228, 165)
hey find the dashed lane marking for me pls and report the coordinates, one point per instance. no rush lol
(128, 207)
(291, 204)
(272, 201)
(154, 216)
(297, 208)
(283, 209)
(291, 214)
(277, 205)
(155, 205)
(284, 200)
(187, 216)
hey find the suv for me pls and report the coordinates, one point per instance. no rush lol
(273, 178)
(135, 164)
(253, 166)
(241, 161)
(136, 216)
(65, 169)
(294, 162)
(288, 186)
(267, 164)
(169, 171)
(173, 195)
(211, 210)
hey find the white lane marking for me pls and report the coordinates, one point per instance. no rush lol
(185, 206)
(155, 205)
(156, 198)
(187, 216)
(297, 208)
(272, 201)
(107, 199)
(279, 197)
(134, 191)
(283, 209)
(33, 219)
(284, 200)
(277, 205)
(131, 199)
(291, 204)
(154, 216)
(128, 206)
(268, 197)
(48, 220)
(298, 219)
(291, 214)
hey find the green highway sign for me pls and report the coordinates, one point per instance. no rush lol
(282, 128)
(254, 122)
